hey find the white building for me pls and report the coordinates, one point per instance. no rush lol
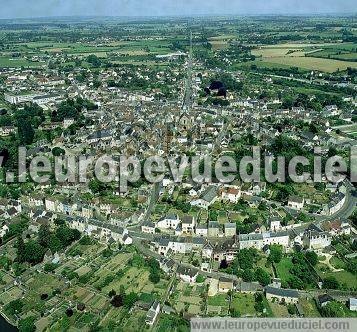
(296, 203)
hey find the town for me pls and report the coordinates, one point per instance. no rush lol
(86, 256)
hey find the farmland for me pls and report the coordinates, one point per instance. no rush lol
(308, 56)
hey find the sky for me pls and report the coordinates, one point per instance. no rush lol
(46, 8)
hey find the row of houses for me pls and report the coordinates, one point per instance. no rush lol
(187, 225)
(314, 237)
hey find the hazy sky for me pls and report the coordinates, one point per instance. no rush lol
(41, 8)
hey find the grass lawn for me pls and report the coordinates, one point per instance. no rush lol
(218, 300)
(279, 310)
(244, 304)
(18, 62)
(283, 268)
(337, 263)
(309, 307)
(345, 278)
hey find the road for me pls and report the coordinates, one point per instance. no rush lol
(152, 200)
(346, 210)
(187, 100)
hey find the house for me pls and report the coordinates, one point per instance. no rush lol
(352, 304)
(258, 188)
(188, 224)
(275, 224)
(207, 250)
(225, 285)
(336, 202)
(296, 202)
(51, 204)
(7, 130)
(282, 295)
(167, 265)
(169, 222)
(206, 267)
(35, 201)
(187, 274)
(230, 229)
(336, 227)
(231, 195)
(260, 240)
(314, 238)
(148, 227)
(226, 250)
(324, 299)
(201, 230)
(207, 198)
(152, 313)
(213, 229)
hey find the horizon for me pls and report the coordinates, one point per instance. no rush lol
(161, 8)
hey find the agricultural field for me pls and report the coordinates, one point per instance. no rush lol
(308, 56)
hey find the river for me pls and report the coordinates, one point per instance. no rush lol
(6, 327)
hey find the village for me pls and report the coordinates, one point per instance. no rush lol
(88, 255)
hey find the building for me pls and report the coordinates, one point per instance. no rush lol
(230, 229)
(296, 202)
(213, 229)
(259, 240)
(188, 224)
(314, 238)
(169, 222)
(336, 203)
(282, 295)
(152, 313)
(7, 130)
(208, 197)
(352, 304)
(207, 250)
(231, 195)
(324, 299)
(148, 227)
(225, 285)
(201, 230)
(187, 274)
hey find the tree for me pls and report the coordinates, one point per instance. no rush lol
(14, 307)
(57, 151)
(130, 299)
(27, 324)
(25, 132)
(330, 283)
(117, 301)
(154, 277)
(248, 275)
(34, 252)
(332, 309)
(262, 276)
(276, 253)
(44, 236)
(20, 246)
(312, 257)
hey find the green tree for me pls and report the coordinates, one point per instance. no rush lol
(27, 324)
(276, 253)
(330, 283)
(262, 276)
(25, 131)
(312, 257)
(332, 309)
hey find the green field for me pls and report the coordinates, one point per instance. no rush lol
(326, 57)
(18, 62)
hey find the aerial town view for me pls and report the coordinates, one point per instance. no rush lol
(164, 163)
